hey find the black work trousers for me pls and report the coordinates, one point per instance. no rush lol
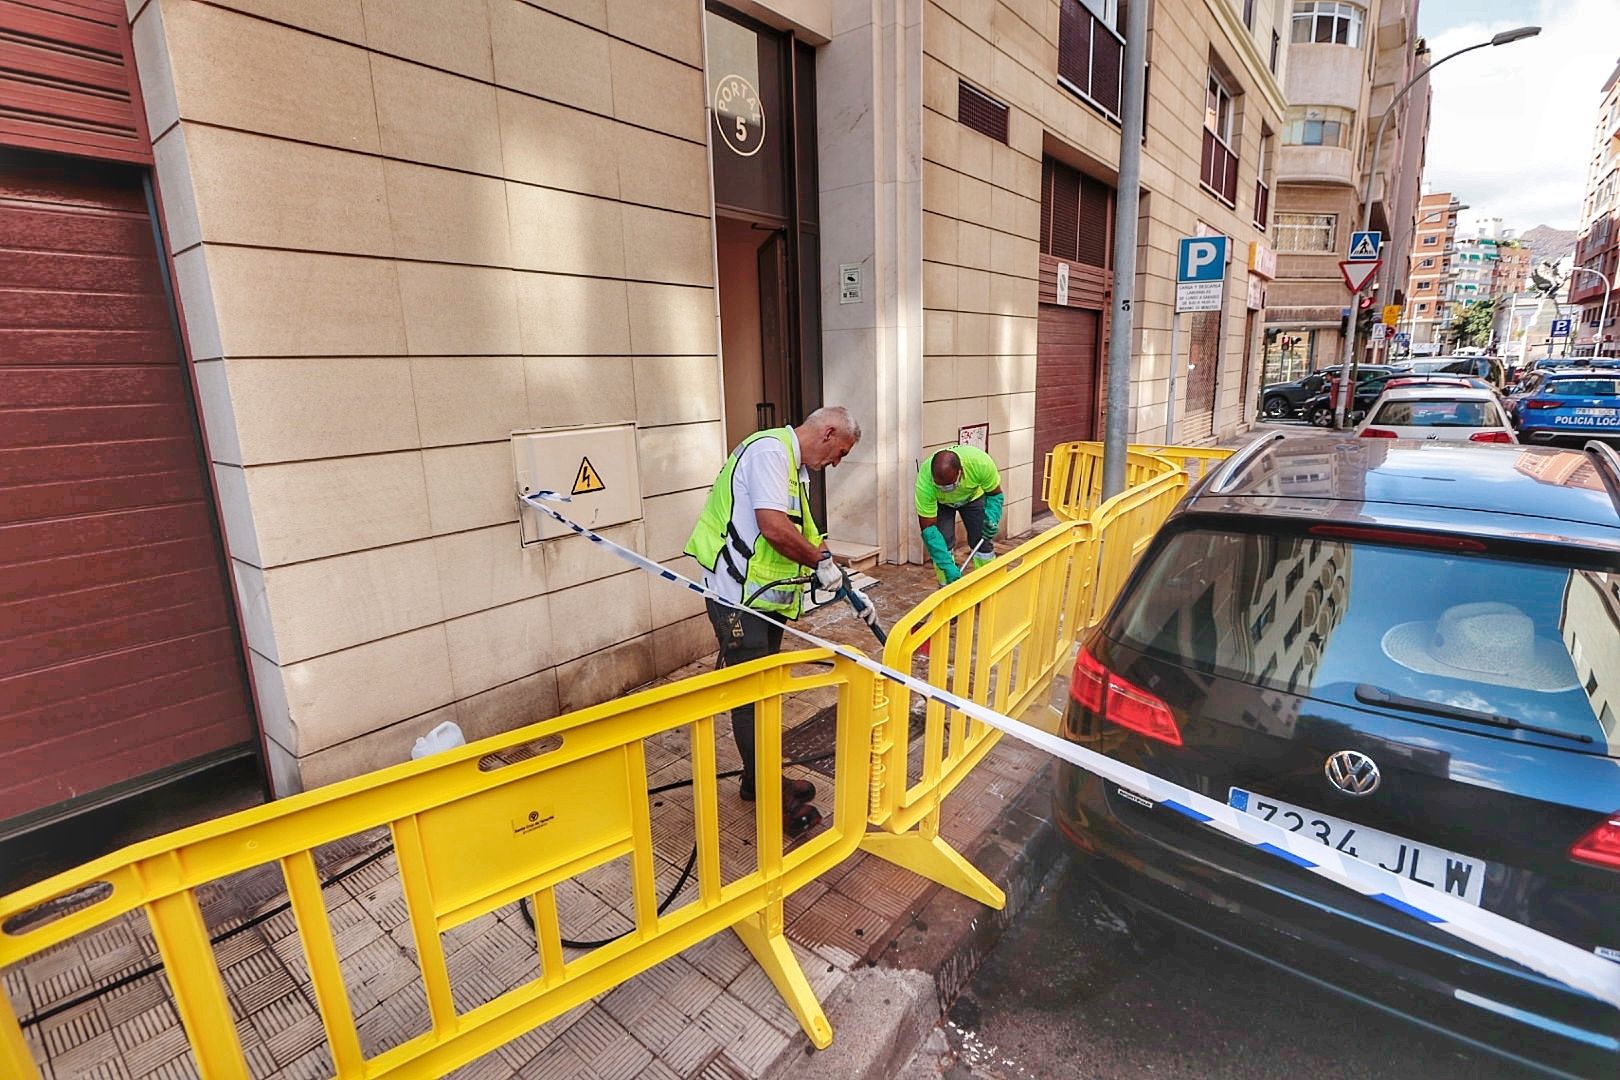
(972, 515)
(743, 638)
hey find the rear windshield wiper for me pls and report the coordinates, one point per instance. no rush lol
(1368, 694)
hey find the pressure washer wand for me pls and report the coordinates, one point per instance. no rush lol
(975, 550)
(862, 604)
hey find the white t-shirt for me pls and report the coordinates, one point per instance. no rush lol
(759, 482)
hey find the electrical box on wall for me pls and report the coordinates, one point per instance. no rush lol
(594, 466)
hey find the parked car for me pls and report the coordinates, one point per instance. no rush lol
(1278, 401)
(1319, 410)
(1437, 413)
(1397, 379)
(1409, 612)
(1489, 368)
(1561, 406)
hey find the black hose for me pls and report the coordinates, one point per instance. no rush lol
(270, 913)
(153, 969)
(686, 872)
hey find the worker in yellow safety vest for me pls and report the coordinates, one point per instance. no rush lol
(958, 481)
(754, 535)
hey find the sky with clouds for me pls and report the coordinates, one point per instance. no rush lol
(1511, 130)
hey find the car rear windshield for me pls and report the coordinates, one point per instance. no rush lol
(1435, 412)
(1315, 616)
(1582, 387)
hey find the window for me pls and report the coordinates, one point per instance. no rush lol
(1218, 109)
(1424, 286)
(1427, 262)
(1262, 182)
(1276, 50)
(1248, 13)
(1218, 168)
(1306, 232)
(1422, 308)
(1091, 52)
(1327, 22)
(1431, 239)
(1318, 125)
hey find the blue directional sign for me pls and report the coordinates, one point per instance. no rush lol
(1403, 339)
(1562, 327)
(1364, 245)
(1201, 258)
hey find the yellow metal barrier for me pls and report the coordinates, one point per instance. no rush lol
(476, 829)
(1000, 634)
(1072, 482)
(995, 636)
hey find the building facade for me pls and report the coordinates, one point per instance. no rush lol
(1597, 251)
(400, 259)
(1346, 63)
(1429, 293)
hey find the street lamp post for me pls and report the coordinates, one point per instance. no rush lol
(1603, 310)
(1347, 367)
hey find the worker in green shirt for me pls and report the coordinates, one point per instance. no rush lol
(958, 480)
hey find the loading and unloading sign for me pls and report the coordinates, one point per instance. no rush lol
(587, 480)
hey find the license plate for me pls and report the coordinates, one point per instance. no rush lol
(1425, 864)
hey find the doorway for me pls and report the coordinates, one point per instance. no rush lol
(762, 99)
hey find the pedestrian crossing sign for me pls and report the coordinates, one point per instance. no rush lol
(587, 479)
(1364, 246)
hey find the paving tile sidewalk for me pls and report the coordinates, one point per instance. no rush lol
(709, 1012)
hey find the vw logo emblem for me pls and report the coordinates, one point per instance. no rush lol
(1352, 772)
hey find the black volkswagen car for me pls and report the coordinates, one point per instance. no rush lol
(1409, 652)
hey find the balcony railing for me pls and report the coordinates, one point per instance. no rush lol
(1218, 171)
(1091, 57)
(1262, 205)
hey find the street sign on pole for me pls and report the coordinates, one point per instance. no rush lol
(1380, 332)
(1562, 327)
(1358, 274)
(1200, 273)
(1364, 245)
(1392, 314)
(1403, 339)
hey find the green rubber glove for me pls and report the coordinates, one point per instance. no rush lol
(993, 505)
(940, 553)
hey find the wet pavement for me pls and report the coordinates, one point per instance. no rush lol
(1074, 990)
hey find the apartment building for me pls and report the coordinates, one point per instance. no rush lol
(1597, 251)
(1429, 295)
(386, 262)
(1346, 62)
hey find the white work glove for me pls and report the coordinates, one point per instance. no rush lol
(864, 608)
(828, 576)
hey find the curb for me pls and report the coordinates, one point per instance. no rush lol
(885, 1012)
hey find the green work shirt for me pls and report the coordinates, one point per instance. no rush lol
(979, 476)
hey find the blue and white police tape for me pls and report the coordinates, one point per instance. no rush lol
(1543, 953)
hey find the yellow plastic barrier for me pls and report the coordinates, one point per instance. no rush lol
(475, 830)
(1000, 634)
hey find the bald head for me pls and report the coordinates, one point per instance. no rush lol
(947, 468)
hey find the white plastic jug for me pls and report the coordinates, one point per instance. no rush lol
(447, 736)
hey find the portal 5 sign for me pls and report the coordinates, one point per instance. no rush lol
(740, 115)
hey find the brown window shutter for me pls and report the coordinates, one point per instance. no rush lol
(981, 112)
(1060, 208)
(1074, 43)
(1096, 210)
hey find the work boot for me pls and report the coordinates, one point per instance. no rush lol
(794, 792)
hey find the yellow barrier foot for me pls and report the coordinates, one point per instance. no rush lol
(937, 861)
(771, 950)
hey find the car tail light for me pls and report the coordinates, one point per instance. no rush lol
(1490, 436)
(1378, 433)
(1120, 701)
(1601, 846)
(1538, 403)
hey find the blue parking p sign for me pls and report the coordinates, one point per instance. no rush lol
(1562, 327)
(1201, 258)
